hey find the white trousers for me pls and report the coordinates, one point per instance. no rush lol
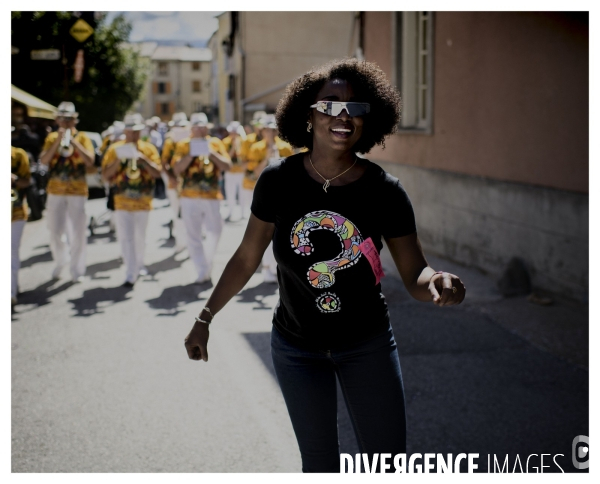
(178, 227)
(16, 233)
(131, 232)
(67, 225)
(246, 201)
(233, 188)
(201, 215)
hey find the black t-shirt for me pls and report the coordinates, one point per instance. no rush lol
(328, 298)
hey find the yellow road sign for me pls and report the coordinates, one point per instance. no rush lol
(81, 30)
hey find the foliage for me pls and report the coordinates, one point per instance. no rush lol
(113, 76)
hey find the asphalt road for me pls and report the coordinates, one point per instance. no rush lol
(101, 381)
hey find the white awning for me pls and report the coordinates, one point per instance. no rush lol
(36, 108)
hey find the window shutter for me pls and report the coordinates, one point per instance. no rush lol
(171, 107)
(158, 110)
(154, 87)
(168, 87)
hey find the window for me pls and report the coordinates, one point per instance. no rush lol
(164, 108)
(162, 87)
(163, 69)
(196, 86)
(198, 107)
(414, 63)
(195, 66)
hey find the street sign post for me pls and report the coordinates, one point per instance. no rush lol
(78, 66)
(81, 30)
(45, 54)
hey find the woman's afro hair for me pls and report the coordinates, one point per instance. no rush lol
(370, 85)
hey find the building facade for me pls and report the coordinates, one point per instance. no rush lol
(493, 143)
(179, 80)
(259, 53)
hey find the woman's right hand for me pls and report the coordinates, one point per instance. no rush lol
(195, 342)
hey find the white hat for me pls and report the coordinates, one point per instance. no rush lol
(108, 131)
(179, 119)
(198, 119)
(233, 126)
(256, 117)
(134, 121)
(66, 109)
(236, 127)
(268, 121)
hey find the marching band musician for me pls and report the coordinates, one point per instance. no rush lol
(68, 153)
(199, 161)
(132, 174)
(21, 178)
(237, 149)
(261, 153)
(179, 122)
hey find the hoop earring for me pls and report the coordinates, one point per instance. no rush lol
(309, 126)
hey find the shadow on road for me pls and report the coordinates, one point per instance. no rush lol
(94, 269)
(472, 386)
(41, 295)
(257, 294)
(173, 298)
(168, 264)
(91, 301)
(167, 243)
(36, 259)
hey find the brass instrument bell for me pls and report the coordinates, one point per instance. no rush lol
(66, 149)
(133, 172)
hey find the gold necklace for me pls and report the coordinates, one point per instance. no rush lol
(326, 184)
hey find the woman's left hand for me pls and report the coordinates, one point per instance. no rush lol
(446, 289)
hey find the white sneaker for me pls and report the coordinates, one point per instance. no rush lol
(201, 280)
(143, 271)
(78, 279)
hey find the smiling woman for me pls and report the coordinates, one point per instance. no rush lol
(365, 78)
(327, 212)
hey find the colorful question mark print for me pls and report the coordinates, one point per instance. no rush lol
(321, 274)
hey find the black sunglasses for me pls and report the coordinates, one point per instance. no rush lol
(334, 108)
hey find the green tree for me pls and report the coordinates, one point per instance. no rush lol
(113, 76)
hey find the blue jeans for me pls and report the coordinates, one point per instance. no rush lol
(371, 381)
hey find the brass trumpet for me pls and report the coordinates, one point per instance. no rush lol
(132, 171)
(66, 149)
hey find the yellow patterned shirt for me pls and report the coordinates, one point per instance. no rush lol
(19, 165)
(67, 175)
(201, 178)
(256, 154)
(240, 153)
(132, 194)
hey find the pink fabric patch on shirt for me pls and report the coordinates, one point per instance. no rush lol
(370, 252)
